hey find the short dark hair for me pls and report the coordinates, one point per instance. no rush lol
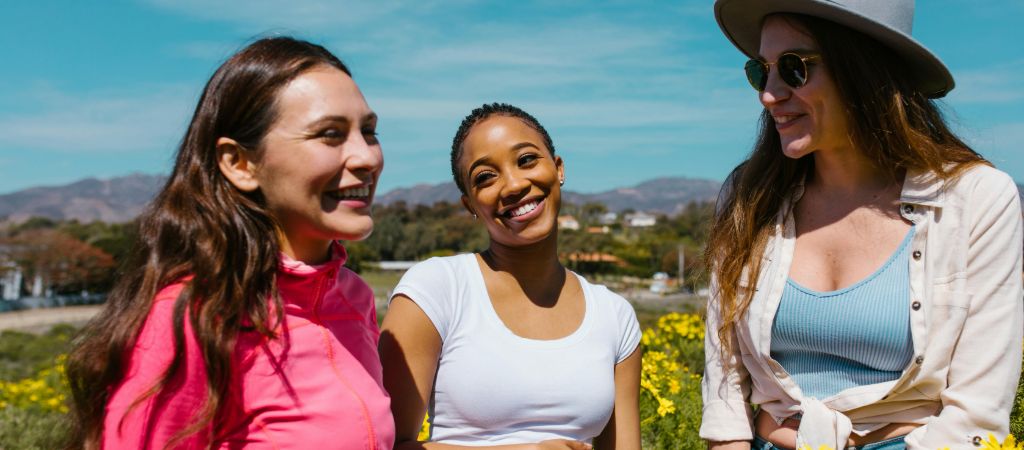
(483, 112)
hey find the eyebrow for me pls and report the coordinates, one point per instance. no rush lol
(798, 51)
(487, 159)
(524, 145)
(368, 118)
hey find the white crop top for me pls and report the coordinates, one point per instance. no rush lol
(493, 387)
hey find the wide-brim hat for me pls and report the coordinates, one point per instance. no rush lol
(887, 21)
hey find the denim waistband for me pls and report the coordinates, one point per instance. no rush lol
(895, 443)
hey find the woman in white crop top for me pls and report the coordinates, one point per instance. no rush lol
(507, 348)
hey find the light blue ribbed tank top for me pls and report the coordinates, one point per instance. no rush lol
(856, 336)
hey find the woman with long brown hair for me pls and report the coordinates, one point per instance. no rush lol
(866, 263)
(236, 324)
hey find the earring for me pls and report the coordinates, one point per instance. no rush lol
(561, 182)
(474, 216)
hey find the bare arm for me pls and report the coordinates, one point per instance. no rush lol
(623, 429)
(729, 445)
(409, 350)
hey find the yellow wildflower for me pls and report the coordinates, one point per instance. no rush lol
(1009, 444)
(666, 406)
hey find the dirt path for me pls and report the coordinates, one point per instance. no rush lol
(40, 320)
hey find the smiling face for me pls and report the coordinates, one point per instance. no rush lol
(512, 180)
(808, 118)
(320, 161)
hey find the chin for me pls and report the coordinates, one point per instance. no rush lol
(537, 233)
(795, 149)
(353, 229)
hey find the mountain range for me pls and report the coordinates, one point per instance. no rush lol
(121, 199)
(114, 200)
(667, 195)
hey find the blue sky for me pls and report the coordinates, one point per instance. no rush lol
(629, 90)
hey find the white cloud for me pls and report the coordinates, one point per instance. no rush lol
(987, 85)
(297, 14)
(204, 50)
(153, 117)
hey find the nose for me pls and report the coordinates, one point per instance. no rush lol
(775, 90)
(363, 154)
(516, 185)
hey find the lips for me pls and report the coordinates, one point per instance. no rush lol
(783, 121)
(524, 210)
(356, 193)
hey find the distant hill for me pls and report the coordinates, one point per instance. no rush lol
(664, 195)
(121, 199)
(114, 200)
(421, 194)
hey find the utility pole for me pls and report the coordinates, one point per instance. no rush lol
(682, 265)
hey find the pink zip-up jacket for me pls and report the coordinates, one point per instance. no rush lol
(322, 390)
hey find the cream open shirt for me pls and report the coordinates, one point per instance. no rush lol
(966, 322)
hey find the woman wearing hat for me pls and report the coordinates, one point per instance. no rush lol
(866, 263)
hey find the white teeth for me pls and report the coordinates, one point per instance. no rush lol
(524, 209)
(782, 119)
(356, 192)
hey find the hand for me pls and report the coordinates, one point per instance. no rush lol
(563, 444)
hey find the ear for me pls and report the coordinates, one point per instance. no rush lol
(561, 169)
(465, 204)
(235, 165)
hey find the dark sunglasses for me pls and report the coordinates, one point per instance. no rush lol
(791, 66)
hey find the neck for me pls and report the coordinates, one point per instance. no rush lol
(528, 262)
(847, 171)
(309, 251)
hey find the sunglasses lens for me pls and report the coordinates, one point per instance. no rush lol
(792, 70)
(757, 74)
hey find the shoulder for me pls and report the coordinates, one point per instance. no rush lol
(353, 283)
(433, 285)
(618, 313)
(605, 297)
(171, 291)
(161, 313)
(436, 280)
(438, 269)
(156, 337)
(982, 180)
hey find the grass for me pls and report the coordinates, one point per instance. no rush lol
(24, 355)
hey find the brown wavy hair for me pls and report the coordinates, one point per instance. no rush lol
(201, 226)
(896, 126)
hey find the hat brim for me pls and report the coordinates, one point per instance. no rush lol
(741, 20)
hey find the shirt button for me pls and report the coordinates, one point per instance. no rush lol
(976, 441)
(908, 209)
(917, 254)
(916, 305)
(919, 360)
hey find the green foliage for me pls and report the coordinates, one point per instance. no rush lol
(1017, 415)
(23, 354)
(670, 394)
(412, 233)
(31, 429)
(27, 360)
(677, 431)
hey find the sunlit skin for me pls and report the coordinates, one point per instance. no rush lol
(319, 163)
(504, 166)
(847, 221)
(814, 114)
